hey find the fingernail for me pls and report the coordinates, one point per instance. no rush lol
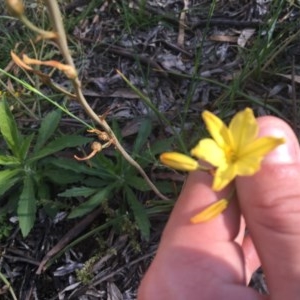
(286, 153)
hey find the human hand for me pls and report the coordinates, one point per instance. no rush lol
(215, 260)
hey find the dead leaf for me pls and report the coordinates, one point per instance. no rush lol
(295, 78)
(245, 36)
(223, 38)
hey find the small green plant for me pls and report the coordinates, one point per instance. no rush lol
(5, 227)
(23, 175)
(114, 181)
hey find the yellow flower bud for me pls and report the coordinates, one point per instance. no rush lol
(210, 212)
(179, 161)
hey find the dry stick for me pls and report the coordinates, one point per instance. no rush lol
(56, 19)
(182, 26)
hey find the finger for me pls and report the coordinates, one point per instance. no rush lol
(196, 196)
(252, 260)
(270, 203)
(203, 259)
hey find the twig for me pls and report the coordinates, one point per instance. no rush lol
(182, 21)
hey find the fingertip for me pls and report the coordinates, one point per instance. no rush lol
(289, 151)
(252, 260)
(269, 201)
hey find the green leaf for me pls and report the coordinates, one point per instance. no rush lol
(92, 203)
(43, 191)
(25, 146)
(139, 213)
(9, 129)
(100, 161)
(168, 187)
(156, 207)
(61, 177)
(81, 191)
(82, 168)
(116, 129)
(27, 206)
(143, 134)
(138, 183)
(67, 141)
(51, 208)
(6, 160)
(48, 127)
(161, 146)
(71, 165)
(9, 178)
(95, 182)
(149, 155)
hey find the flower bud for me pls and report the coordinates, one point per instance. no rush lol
(15, 7)
(179, 161)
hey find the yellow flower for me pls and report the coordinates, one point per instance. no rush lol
(210, 212)
(234, 150)
(179, 161)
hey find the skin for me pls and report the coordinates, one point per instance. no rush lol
(215, 260)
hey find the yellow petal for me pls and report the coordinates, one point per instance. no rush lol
(217, 129)
(261, 147)
(208, 150)
(223, 176)
(210, 212)
(244, 129)
(248, 165)
(179, 161)
(252, 155)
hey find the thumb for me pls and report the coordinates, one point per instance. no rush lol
(270, 203)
